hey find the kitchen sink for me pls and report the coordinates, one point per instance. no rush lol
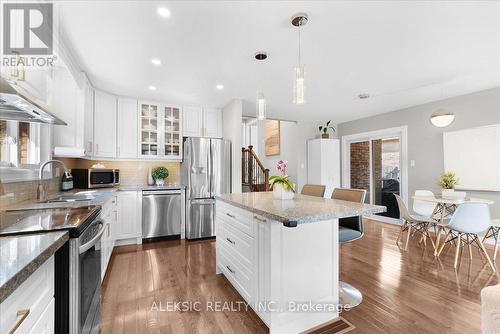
(69, 198)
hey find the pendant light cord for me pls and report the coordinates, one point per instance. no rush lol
(299, 41)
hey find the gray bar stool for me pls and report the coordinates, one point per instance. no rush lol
(350, 229)
(313, 190)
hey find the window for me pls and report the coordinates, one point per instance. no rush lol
(19, 144)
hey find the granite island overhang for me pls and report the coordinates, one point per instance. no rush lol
(282, 255)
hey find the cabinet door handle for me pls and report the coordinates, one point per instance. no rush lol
(262, 220)
(21, 315)
(230, 215)
(231, 270)
(96, 148)
(231, 241)
(118, 151)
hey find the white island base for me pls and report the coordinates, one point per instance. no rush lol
(282, 272)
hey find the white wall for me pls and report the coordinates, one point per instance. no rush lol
(231, 130)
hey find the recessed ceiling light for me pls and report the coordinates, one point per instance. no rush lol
(219, 87)
(163, 11)
(152, 87)
(261, 55)
(156, 61)
(364, 96)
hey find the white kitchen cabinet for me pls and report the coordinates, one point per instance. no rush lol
(87, 96)
(65, 104)
(104, 125)
(202, 122)
(160, 131)
(108, 215)
(129, 216)
(127, 128)
(323, 163)
(213, 123)
(36, 294)
(192, 121)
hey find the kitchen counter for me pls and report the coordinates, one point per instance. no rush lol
(299, 210)
(140, 188)
(20, 256)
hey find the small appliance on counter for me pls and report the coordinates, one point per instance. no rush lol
(66, 182)
(95, 178)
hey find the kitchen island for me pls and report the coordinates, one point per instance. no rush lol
(282, 255)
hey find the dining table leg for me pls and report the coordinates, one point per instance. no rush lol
(439, 208)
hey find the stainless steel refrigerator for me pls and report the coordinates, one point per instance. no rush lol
(206, 172)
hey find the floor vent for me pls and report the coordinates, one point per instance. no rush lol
(337, 326)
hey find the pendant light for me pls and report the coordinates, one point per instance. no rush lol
(298, 20)
(260, 103)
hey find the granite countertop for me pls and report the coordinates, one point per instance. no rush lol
(20, 256)
(299, 210)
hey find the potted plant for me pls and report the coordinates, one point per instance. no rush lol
(447, 182)
(324, 130)
(159, 174)
(282, 186)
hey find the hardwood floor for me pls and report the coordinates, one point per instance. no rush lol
(404, 291)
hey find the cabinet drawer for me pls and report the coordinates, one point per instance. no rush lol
(239, 277)
(241, 220)
(45, 324)
(33, 295)
(236, 242)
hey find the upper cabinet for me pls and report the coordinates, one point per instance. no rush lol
(160, 131)
(127, 128)
(104, 125)
(202, 122)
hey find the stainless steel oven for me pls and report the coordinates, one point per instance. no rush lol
(85, 279)
(95, 178)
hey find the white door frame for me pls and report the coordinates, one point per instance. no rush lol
(401, 132)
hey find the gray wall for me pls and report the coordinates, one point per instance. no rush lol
(425, 141)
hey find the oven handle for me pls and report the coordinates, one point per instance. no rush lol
(85, 247)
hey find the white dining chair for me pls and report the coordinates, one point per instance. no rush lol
(423, 208)
(469, 220)
(493, 231)
(413, 223)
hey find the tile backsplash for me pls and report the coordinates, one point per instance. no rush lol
(15, 192)
(131, 172)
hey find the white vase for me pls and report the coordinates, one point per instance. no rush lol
(281, 193)
(150, 178)
(447, 193)
(160, 183)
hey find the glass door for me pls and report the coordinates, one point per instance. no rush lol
(375, 163)
(149, 129)
(172, 132)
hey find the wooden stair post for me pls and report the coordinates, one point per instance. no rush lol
(253, 174)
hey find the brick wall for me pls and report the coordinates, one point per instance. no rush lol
(360, 167)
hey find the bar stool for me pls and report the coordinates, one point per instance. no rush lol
(350, 229)
(313, 190)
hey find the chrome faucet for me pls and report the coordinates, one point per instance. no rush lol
(40, 191)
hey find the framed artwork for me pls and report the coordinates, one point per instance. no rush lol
(271, 137)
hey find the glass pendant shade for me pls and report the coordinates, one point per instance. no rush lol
(261, 107)
(442, 118)
(299, 85)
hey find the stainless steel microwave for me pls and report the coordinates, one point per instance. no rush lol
(95, 178)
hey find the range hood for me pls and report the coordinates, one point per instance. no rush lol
(16, 106)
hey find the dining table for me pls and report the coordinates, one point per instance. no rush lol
(444, 209)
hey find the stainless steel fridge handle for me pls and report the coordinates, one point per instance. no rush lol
(203, 202)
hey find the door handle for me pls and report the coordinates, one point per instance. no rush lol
(231, 270)
(231, 241)
(21, 316)
(85, 247)
(230, 215)
(262, 220)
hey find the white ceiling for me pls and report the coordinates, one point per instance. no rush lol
(402, 53)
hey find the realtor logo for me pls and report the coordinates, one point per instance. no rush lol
(27, 29)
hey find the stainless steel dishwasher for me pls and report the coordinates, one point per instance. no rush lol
(161, 213)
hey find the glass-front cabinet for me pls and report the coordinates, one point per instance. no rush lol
(160, 132)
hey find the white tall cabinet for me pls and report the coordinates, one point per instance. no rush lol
(127, 128)
(323, 163)
(104, 125)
